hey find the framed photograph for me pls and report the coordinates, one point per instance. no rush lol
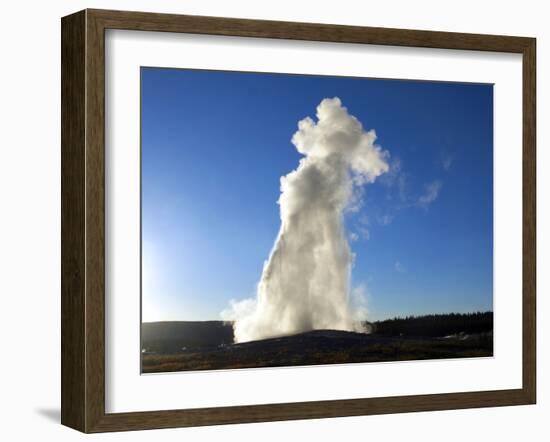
(270, 220)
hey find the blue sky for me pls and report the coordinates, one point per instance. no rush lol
(215, 144)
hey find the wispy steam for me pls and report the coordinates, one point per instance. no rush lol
(399, 267)
(447, 162)
(305, 283)
(431, 192)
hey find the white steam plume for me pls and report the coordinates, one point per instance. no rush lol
(305, 283)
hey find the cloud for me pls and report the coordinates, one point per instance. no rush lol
(390, 178)
(399, 267)
(402, 192)
(305, 283)
(364, 232)
(385, 219)
(353, 237)
(362, 227)
(431, 193)
(447, 162)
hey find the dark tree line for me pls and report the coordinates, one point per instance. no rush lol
(435, 325)
(173, 337)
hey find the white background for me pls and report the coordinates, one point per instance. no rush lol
(30, 221)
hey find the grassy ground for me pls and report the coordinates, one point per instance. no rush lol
(320, 347)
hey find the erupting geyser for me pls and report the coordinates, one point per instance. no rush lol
(305, 283)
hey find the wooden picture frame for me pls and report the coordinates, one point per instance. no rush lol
(83, 220)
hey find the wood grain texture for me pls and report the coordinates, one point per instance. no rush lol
(95, 222)
(83, 220)
(307, 410)
(73, 253)
(145, 21)
(529, 221)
